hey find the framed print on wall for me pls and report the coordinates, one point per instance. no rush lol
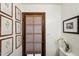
(6, 46)
(18, 41)
(6, 8)
(71, 25)
(6, 26)
(17, 13)
(17, 27)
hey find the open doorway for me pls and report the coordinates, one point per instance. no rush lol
(33, 33)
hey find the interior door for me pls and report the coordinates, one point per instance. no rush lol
(34, 34)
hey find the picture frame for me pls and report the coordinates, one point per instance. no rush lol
(71, 25)
(17, 13)
(6, 26)
(17, 27)
(18, 41)
(6, 46)
(7, 9)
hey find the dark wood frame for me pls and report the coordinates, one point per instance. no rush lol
(15, 13)
(16, 41)
(24, 31)
(77, 25)
(0, 26)
(1, 44)
(6, 13)
(16, 26)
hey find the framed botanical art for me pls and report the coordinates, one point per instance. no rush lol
(6, 8)
(18, 41)
(6, 26)
(17, 13)
(71, 25)
(6, 46)
(17, 27)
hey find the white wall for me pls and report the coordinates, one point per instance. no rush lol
(16, 52)
(68, 11)
(53, 23)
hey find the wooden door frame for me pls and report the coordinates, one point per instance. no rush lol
(24, 32)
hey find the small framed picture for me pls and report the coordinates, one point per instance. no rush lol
(6, 8)
(6, 26)
(18, 41)
(17, 13)
(6, 46)
(71, 25)
(17, 27)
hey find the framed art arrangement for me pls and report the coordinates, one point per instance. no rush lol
(17, 27)
(6, 8)
(18, 41)
(6, 26)
(6, 46)
(17, 13)
(71, 25)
